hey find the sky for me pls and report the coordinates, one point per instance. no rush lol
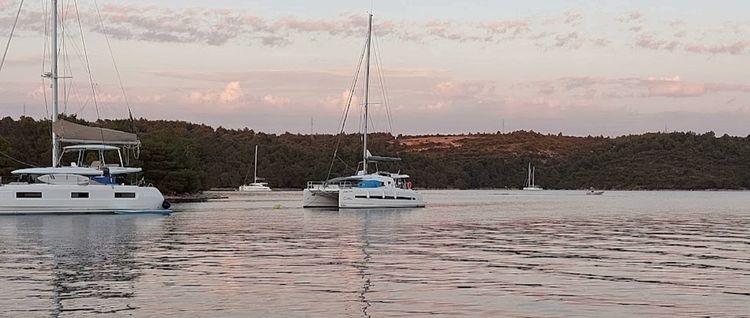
(577, 67)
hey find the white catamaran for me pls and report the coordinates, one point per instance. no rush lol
(255, 186)
(365, 189)
(82, 186)
(530, 182)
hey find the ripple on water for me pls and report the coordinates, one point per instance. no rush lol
(473, 253)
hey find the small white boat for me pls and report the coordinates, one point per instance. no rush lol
(365, 189)
(530, 185)
(255, 186)
(594, 192)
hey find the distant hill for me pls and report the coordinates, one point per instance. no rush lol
(183, 157)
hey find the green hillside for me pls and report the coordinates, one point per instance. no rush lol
(183, 157)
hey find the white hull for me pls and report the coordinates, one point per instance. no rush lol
(362, 198)
(59, 199)
(532, 189)
(245, 188)
(595, 192)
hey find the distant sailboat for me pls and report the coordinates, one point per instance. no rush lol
(255, 186)
(530, 184)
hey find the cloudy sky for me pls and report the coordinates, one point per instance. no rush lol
(577, 67)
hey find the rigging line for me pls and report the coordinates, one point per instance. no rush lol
(16, 160)
(12, 30)
(344, 114)
(88, 67)
(346, 166)
(381, 81)
(346, 110)
(386, 101)
(247, 174)
(112, 55)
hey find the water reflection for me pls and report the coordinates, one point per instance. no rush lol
(366, 217)
(468, 254)
(81, 264)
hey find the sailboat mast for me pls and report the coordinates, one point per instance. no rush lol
(255, 165)
(54, 77)
(528, 176)
(367, 93)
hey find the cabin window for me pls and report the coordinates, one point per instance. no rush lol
(28, 195)
(125, 195)
(79, 195)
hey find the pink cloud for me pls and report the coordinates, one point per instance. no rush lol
(276, 100)
(570, 40)
(733, 48)
(507, 28)
(463, 89)
(673, 87)
(631, 16)
(231, 93)
(573, 18)
(649, 41)
(339, 102)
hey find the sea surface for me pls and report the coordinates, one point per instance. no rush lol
(487, 253)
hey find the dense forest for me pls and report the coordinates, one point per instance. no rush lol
(181, 157)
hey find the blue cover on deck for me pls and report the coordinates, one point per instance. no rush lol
(105, 180)
(369, 184)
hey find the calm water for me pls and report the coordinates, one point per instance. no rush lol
(470, 254)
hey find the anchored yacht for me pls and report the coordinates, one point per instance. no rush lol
(366, 189)
(81, 186)
(97, 187)
(530, 181)
(255, 186)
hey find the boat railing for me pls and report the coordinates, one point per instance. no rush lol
(319, 185)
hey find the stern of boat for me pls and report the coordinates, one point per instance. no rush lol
(320, 195)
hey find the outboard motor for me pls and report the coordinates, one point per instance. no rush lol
(166, 205)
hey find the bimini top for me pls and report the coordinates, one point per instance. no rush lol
(75, 133)
(91, 147)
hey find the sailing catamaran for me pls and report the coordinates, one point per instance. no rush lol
(530, 182)
(377, 189)
(80, 187)
(255, 186)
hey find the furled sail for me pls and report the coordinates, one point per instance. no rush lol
(370, 157)
(75, 133)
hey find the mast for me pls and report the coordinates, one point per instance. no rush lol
(367, 92)
(255, 172)
(54, 76)
(528, 176)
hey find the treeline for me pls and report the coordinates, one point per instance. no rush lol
(181, 157)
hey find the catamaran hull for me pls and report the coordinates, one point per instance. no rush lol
(363, 198)
(320, 199)
(253, 189)
(79, 199)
